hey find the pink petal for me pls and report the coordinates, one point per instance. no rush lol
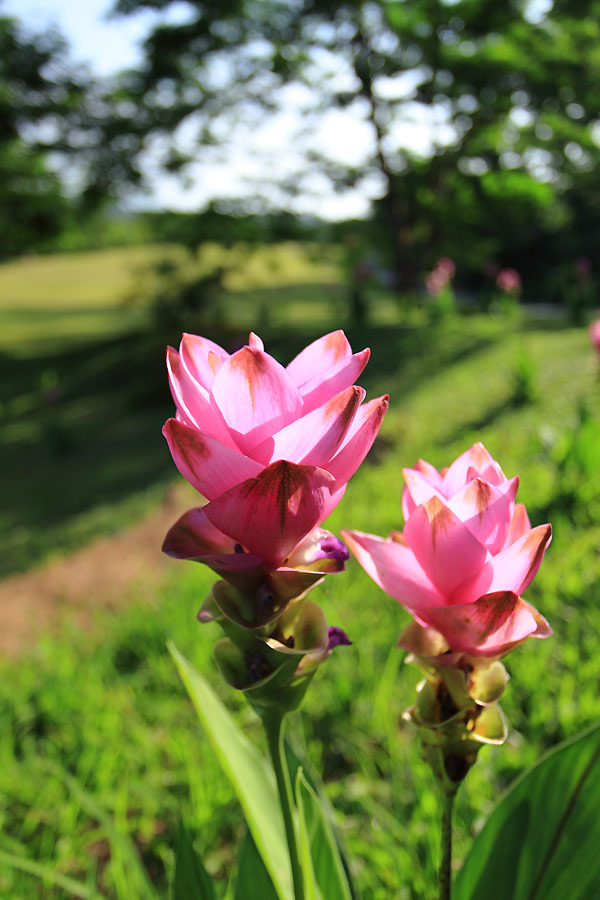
(254, 342)
(513, 569)
(193, 535)
(202, 358)
(193, 401)
(491, 626)
(209, 466)
(271, 513)
(418, 489)
(318, 358)
(486, 510)
(393, 566)
(444, 547)
(325, 368)
(457, 475)
(519, 525)
(359, 439)
(255, 396)
(314, 438)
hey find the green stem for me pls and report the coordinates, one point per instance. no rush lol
(274, 730)
(446, 856)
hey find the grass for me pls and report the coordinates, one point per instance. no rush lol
(100, 748)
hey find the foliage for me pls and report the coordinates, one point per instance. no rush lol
(510, 93)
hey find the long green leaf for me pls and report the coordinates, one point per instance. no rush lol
(253, 882)
(191, 881)
(249, 774)
(542, 842)
(45, 873)
(324, 875)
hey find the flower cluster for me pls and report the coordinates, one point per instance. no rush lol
(271, 449)
(459, 567)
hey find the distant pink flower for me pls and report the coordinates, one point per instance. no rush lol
(465, 556)
(509, 281)
(594, 333)
(270, 448)
(441, 275)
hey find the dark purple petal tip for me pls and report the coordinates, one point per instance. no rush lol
(334, 548)
(337, 637)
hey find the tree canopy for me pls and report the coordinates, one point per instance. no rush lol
(509, 94)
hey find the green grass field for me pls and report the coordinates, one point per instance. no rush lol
(100, 750)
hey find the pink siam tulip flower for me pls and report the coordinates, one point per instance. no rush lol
(465, 556)
(509, 281)
(271, 448)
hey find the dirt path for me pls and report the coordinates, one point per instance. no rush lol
(102, 574)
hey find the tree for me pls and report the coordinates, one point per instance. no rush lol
(510, 96)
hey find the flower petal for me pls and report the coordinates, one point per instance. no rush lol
(271, 513)
(457, 475)
(209, 466)
(443, 545)
(318, 358)
(491, 626)
(193, 536)
(519, 524)
(393, 566)
(358, 439)
(510, 570)
(486, 510)
(313, 439)
(418, 489)
(325, 368)
(193, 401)
(255, 396)
(202, 358)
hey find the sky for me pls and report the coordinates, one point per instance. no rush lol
(110, 44)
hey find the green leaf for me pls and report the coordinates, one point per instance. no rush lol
(249, 774)
(541, 841)
(192, 881)
(50, 876)
(253, 882)
(324, 875)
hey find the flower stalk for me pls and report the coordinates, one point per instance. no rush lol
(446, 854)
(273, 724)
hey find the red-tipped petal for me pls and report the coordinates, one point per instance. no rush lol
(457, 475)
(193, 536)
(513, 569)
(314, 439)
(201, 358)
(491, 626)
(519, 525)
(393, 566)
(444, 547)
(193, 401)
(209, 466)
(486, 510)
(271, 513)
(359, 439)
(319, 358)
(255, 396)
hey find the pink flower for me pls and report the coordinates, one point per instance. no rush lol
(509, 281)
(465, 556)
(594, 333)
(271, 448)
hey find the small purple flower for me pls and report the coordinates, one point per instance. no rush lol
(337, 637)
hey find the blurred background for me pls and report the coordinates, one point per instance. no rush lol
(423, 174)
